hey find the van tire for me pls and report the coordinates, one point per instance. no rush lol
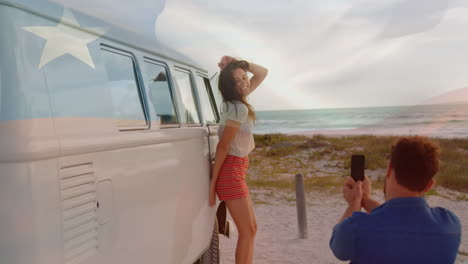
(211, 255)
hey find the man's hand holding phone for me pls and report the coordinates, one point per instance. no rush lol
(352, 191)
(367, 202)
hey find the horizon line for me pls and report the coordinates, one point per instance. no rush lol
(360, 107)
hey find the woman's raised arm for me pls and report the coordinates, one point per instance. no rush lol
(259, 74)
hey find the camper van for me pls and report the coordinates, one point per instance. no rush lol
(106, 138)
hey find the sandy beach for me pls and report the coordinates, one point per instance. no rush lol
(277, 239)
(323, 162)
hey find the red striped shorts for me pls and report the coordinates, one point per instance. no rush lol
(231, 180)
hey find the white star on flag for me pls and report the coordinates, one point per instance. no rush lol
(63, 39)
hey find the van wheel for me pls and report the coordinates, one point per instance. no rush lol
(211, 255)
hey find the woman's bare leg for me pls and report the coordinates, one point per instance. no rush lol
(242, 214)
(254, 223)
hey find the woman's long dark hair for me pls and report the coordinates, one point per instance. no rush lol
(227, 85)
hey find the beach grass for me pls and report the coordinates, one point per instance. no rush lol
(312, 183)
(325, 161)
(432, 192)
(462, 197)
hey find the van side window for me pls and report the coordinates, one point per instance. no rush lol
(215, 91)
(160, 94)
(190, 113)
(207, 102)
(126, 98)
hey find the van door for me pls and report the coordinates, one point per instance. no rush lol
(210, 111)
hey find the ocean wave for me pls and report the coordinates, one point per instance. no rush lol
(437, 119)
(263, 121)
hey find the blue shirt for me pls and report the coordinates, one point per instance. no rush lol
(402, 230)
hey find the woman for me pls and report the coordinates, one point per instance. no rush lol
(235, 143)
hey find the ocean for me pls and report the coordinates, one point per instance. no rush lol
(447, 120)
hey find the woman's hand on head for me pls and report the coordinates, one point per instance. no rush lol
(225, 60)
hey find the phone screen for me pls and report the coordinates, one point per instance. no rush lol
(357, 167)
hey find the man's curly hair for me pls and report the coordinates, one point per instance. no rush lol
(415, 161)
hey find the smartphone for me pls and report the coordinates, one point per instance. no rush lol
(357, 167)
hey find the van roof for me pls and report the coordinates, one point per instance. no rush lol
(140, 35)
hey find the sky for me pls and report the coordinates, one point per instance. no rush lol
(329, 53)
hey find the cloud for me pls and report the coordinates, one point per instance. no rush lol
(413, 17)
(329, 53)
(405, 70)
(399, 18)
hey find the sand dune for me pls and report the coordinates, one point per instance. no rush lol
(455, 96)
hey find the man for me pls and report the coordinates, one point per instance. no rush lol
(404, 229)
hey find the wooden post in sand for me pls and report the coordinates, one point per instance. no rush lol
(301, 206)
